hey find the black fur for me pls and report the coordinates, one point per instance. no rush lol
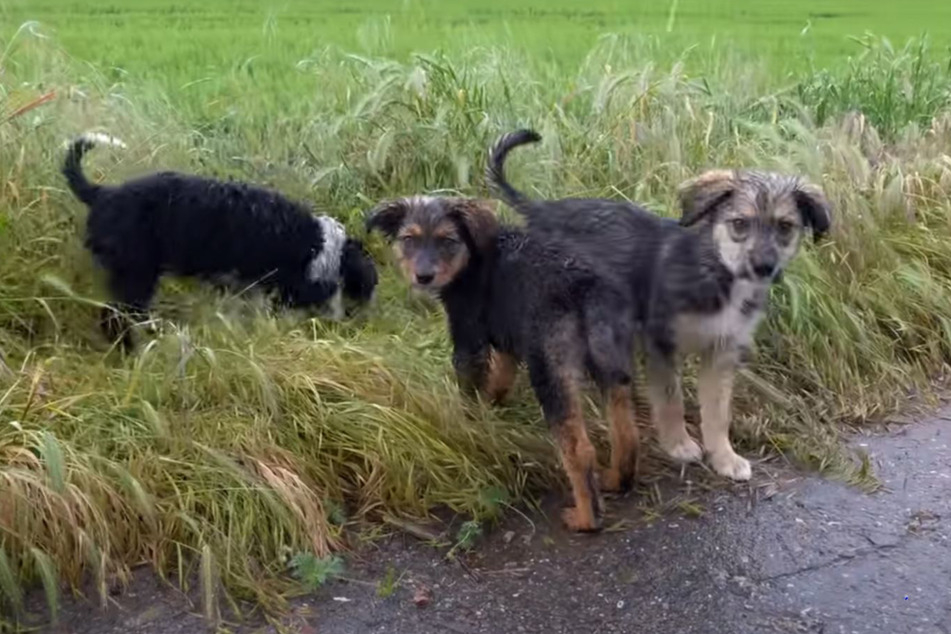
(524, 298)
(626, 241)
(171, 223)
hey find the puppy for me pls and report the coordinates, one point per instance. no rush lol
(511, 298)
(222, 232)
(699, 285)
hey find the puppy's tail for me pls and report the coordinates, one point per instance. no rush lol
(494, 171)
(85, 190)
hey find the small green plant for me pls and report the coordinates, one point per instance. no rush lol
(466, 537)
(493, 499)
(389, 584)
(335, 513)
(315, 571)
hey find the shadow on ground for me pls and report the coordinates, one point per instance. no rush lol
(793, 554)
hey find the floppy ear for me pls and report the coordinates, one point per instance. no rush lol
(357, 270)
(388, 217)
(701, 195)
(478, 221)
(814, 208)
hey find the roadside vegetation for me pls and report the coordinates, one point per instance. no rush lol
(238, 443)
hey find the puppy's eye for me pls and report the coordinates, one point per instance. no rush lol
(447, 243)
(740, 226)
(408, 241)
(785, 228)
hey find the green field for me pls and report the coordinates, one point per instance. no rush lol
(238, 439)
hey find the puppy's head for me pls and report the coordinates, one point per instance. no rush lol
(358, 275)
(756, 219)
(338, 265)
(435, 239)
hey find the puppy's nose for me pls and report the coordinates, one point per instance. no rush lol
(764, 262)
(764, 269)
(425, 278)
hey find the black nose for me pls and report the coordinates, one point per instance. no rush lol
(764, 269)
(425, 278)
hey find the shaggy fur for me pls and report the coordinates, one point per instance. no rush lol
(697, 286)
(511, 298)
(221, 232)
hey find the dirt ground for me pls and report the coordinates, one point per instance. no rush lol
(790, 552)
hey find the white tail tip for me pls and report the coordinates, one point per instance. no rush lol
(98, 138)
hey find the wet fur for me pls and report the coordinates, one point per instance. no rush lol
(699, 285)
(221, 232)
(510, 298)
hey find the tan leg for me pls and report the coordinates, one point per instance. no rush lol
(624, 440)
(502, 371)
(667, 410)
(556, 372)
(579, 459)
(715, 391)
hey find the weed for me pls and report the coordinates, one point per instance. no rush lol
(314, 571)
(466, 537)
(389, 584)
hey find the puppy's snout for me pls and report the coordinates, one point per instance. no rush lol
(764, 265)
(425, 268)
(424, 278)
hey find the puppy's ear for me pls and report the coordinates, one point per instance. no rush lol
(388, 217)
(701, 195)
(357, 271)
(815, 209)
(477, 220)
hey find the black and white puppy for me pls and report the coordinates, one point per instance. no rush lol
(172, 223)
(699, 285)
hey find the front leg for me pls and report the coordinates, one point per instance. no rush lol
(502, 370)
(667, 403)
(715, 391)
(470, 351)
(471, 368)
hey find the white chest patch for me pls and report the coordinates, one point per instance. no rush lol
(732, 326)
(326, 264)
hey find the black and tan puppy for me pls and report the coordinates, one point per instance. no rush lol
(223, 232)
(511, 298)
(699, 285)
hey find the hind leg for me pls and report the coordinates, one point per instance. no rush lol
(132, 291)
(555, 371)
(610, 360)
(625, 440)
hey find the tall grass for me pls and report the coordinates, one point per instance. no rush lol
(237, 438)
(891, 87)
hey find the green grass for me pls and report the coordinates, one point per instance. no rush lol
(239, 443)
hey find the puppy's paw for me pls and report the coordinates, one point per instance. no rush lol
(683, 449)
(618, 480)
(580, 521)
(612, 481)
(727, 463)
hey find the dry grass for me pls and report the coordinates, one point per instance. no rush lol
(237, 438)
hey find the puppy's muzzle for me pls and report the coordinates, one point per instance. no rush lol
(764, 264)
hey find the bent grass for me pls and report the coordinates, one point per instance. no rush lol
(236, 436)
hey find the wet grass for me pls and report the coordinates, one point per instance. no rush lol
(238, 443)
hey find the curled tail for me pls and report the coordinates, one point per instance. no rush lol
(85, 190)
(494, 172)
